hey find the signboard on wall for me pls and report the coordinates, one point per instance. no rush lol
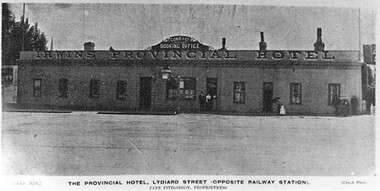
(244, 55)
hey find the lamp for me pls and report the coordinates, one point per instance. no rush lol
(165, 72)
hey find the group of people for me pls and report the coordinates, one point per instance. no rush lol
(279, 106)
(342, 106)
(206, 101)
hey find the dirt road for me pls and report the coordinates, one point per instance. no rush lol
(86, 143)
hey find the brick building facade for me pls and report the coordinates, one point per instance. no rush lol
(237, 80)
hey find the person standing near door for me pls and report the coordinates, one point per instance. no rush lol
(336, 103)
(213, 102)
(208, 102)
(354, 104)
(202, 100)
(279, 106)
(268, 97)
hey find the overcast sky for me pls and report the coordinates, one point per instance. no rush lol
(138, 26)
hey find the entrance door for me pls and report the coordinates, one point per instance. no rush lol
(267, 96)
(145, 92)
(211, 89)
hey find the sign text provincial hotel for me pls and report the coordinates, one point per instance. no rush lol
(188, 55)
(186, 48)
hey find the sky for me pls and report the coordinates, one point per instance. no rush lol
(139, 25)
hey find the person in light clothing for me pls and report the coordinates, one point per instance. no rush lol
(208, 102)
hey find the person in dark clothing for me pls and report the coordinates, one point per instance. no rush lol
(336, 103)
(370, 99)
(202, 100)
(279, 104)
(268, 100)
(354, 104)
(345, 107)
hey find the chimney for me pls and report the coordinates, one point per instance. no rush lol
(319, 45)
(89, 46)
(223, 44)
(262, 43)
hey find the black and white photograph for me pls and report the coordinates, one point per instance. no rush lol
(166, 95)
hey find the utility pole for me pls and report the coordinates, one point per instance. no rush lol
(360, 46)
(22, 26)
(83, 22)
(51, 44)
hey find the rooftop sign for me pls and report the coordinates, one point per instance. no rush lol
(180, 43)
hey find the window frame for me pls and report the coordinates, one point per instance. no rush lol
(240, 92)
(291, 96)
(171, 88)
(121, 90)
(37, 90)
(330, 96)
(94, 88)
(189, 85)
(63, 89)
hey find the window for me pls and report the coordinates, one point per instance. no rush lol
(239, 92)
(171, 88)
(186, 88)
(121, 90)
(37, 87)
(63, 87)
(7, 77)
(295, 93)
(94, 88)
(334, 91)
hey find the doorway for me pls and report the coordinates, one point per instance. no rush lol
(211, 89)
(145, 92)
(267, 96)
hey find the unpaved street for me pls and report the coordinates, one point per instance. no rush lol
(86, 143)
